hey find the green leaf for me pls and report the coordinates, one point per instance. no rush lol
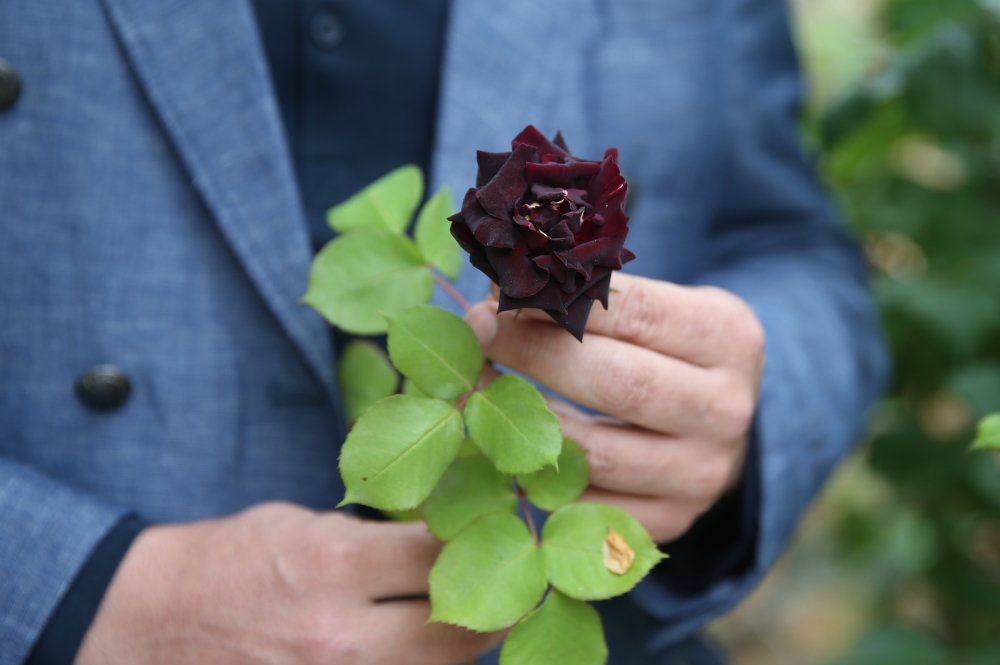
(387, 204)
(365, 376)
(573, 540)
(433, 234)
(364, 273)
(489, 576)
(436, 350)
(468, 449)
(398, 450)
(562, 631)
(554, 487)
(513, 426)
(896, 645)
(410, 388)
(470, 488)
(411, 515)
(988, 433)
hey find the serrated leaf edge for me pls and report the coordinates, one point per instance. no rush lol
(433, 618)
(481, 395)
(347, 497)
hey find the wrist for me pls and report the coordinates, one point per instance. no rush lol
(135, 608)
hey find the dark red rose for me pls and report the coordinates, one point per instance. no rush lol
(547, 227)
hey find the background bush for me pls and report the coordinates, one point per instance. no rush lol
(900, 562)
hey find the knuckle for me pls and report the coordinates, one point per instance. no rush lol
(743, 330)
(624, 383)
(600, 461)
(748, 335)
(639, 315)
(327, 555)
(731, 416)
(712, 478)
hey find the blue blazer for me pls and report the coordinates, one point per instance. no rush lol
(149, 218)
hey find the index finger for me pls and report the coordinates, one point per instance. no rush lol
(697, 324)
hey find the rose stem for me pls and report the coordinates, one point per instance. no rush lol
(527, 514)
(452, 291)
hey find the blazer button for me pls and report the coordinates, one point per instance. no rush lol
(103, 388)
(10, 85)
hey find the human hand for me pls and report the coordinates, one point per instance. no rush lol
(677, 367)
(276, 584)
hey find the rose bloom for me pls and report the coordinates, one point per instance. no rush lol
(547, 227)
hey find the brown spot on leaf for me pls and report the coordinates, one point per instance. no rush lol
(618, 556)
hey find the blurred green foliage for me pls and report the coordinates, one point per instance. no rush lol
(913, 155)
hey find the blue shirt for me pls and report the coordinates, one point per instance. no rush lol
(357, 83)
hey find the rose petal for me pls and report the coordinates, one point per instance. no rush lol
(545, 194)
(560, 236)
(532, 236)
(575, 318)
(460, 232)
(507, 187)
(561, 142)
(531, 136)
(605, 183)
(600, 289)
(579, 197)
(601, 252)
(542, 214)
(582, 286)
(519, 276)
(549, 298)
(569, 176)
(488, 230)
(549, 264)
(608, 220)
(574, 220)
(477, 253)
(489, 165)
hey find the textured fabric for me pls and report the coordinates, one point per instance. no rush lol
(65, 630)
(149, 218)
(38, 545)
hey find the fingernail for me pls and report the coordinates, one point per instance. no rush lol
(483, 321)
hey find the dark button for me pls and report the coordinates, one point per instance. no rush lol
(10, 85)
(104, 387)
(326, 29)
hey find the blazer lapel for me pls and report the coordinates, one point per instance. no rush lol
(203, 69)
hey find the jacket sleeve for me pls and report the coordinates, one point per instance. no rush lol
(47, 533)
(777, 243)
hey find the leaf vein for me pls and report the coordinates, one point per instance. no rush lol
(493, 404)
(406, 451)
(384, 277)
(440, 358)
